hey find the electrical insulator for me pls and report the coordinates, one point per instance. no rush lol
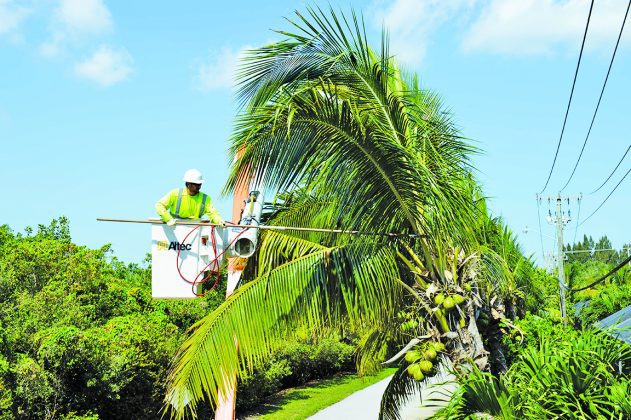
(245, 245)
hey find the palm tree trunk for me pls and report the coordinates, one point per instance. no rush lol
(498, 360)
(469, 345)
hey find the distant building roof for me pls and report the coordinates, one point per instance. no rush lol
(620, 322)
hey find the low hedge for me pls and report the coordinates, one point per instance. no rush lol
(294, 365)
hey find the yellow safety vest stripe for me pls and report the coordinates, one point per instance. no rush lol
(177, 203)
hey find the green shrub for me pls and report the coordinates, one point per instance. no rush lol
(253, 388)
(80, 336)
(553, 377)
(605, 303)
(534, 328)
(294, 365)
(312, 361)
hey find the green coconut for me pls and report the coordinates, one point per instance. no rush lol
(438, 346)
(412, 356)
(458, 299)
(439, 298)
(426, 366)
(449, 303)
(413, 369)
(418, 376)
(430, 354)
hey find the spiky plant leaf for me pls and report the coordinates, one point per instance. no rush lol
(325, 109)
(403, 388)
(321, 288)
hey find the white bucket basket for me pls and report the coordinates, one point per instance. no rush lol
(183, 255)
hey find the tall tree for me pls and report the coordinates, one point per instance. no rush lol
(347, 140)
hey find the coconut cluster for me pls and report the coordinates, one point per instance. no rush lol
(422, 359)
(450, 301)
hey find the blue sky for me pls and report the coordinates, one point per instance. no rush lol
(104, 104)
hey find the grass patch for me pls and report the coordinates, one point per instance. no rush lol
(305, 401)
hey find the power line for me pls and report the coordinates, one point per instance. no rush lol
(601, 96)
(612, 172)
(605, 200)
(571, 94)
(603, 278)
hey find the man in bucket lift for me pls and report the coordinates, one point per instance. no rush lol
(188, 203)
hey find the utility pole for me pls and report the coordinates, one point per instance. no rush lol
(560, 221)
(560, 258)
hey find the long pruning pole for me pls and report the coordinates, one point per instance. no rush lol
(300, 229)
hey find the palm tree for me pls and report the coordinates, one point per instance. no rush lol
(343, 138)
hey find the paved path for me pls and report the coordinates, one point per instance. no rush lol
(364, 404)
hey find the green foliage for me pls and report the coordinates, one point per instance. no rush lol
(262, 383)
(584, 268)
(531, 330)
(308, 361)
(554, 376)
(80, 336)
(6, 395)
(294, 365)
(583, 273)
(543, 293)
(589, 250)
(343, 138)
(589, 260)
(604, 302)
(33, 387)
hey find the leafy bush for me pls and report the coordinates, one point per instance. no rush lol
(253, 388)
(554, 377)
(294, 365)
(605, 303)
(80, 336)
(312, 361)
(534, 328)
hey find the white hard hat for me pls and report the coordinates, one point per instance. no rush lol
(193, 176)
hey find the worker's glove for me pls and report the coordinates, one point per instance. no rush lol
(221, 223)
(171, 222)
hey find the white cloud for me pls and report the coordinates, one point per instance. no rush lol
(11, 16)
(85, 16)
(411, 23)
(515, 27)
(50, 48)
(106, 66)
(220, 70)
(541, 26)
(74, 20)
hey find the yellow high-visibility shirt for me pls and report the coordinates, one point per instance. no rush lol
(179, 204)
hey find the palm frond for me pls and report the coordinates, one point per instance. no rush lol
(324, 107)
(403, 388)
(326, 136)
(374, 346)
(277, 248)
(320, 288)
(481, 393)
